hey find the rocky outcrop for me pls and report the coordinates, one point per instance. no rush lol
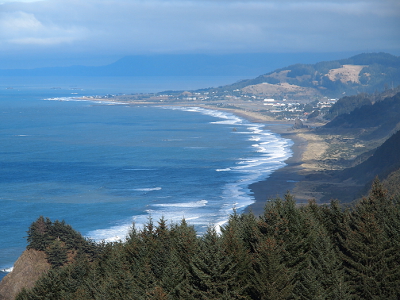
(298, 124)
(27, 269)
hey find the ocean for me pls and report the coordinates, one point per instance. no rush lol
(103, 167)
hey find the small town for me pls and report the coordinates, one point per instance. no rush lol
(279, 108)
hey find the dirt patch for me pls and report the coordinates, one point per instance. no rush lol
(347, 73)
(279, 89)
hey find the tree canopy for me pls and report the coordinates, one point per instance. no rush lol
(289, 252)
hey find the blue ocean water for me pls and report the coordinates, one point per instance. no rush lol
(101, 167)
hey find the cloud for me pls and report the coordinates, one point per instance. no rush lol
(22, 28)
(213, 26)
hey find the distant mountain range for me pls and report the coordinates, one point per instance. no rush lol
(250, 65)
(363, 73)
(367, 72)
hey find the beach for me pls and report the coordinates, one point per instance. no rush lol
(307, 149)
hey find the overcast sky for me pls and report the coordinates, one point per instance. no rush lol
(90, 32)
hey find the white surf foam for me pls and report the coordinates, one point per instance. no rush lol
(148, 189)
(7, 270)
(140, 169)
(188, 204)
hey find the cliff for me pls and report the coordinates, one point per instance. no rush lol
(27, 269)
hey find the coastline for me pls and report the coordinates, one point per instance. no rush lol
(284, 179)
(289, 178)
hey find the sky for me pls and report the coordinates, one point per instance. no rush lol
(98, 32)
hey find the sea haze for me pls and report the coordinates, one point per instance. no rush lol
(102, 167)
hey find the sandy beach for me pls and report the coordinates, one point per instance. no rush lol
(307, 149)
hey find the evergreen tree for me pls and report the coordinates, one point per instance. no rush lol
(271, 278)
(286, 223)
(57, 254)
(371, 248)
(38, 234)
(214, 274)
(321, 274)
(177, 278)
(234, 247)
(365, 256)
(184, 241)
(247, 228)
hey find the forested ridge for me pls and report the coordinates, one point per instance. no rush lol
(288, 252)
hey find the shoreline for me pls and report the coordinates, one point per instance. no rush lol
(289, 177)
(283, 180)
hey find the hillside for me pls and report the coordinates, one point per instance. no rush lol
(361, 143)
(376, 120)
(385, 160)
(363, 73)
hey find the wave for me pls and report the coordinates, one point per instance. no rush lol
(7, 270)
(223, 170)
(61, 99)
(195, 148)
(75, 99)
(187, 204)
(140, 169)
(229, 118)
(172, 213)
(148, 189)
(112, 234)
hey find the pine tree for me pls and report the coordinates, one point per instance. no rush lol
(271, 278)
(57, 254)
(247, 228)
(184, 241)
(285, 222)
(365, 246)
(38, 234)
(214, 274)
(234, 247)
(371, 248)
(321, 274)
(177, 278)
(323, 259)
